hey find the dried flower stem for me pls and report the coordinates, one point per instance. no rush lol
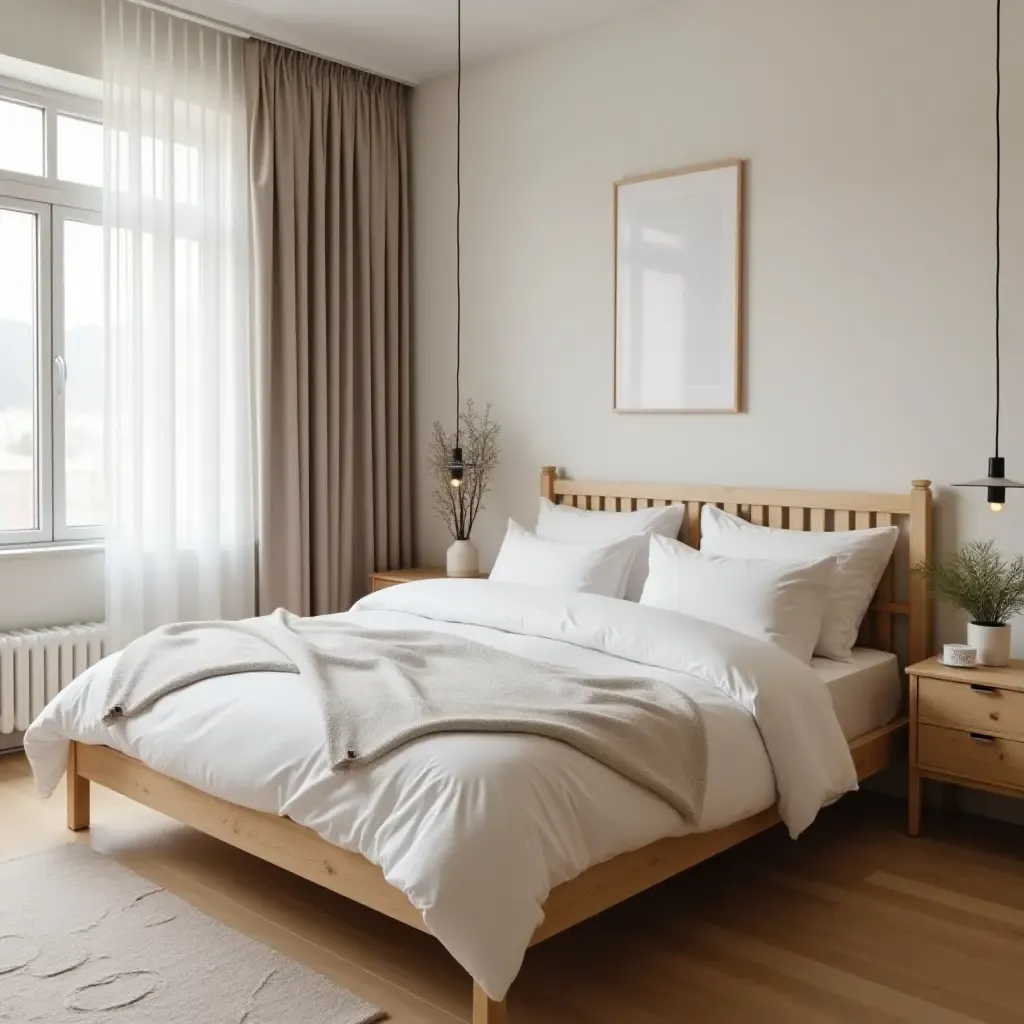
(478, 435)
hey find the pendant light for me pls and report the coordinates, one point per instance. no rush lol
(458, 466)
(996, 483)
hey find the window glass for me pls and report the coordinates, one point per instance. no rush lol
(21, 138)
(79, 150)
(51, 409)
(18, 339)
(83, 352)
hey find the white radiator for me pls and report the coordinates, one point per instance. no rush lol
(37, 663)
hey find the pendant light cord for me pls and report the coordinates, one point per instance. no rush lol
(458, 234)
(999, 197)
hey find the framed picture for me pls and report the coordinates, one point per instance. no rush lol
(679, 290)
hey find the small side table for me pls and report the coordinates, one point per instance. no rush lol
(395, 577)
(966, 727)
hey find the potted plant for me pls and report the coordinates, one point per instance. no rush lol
(459, 506)
(990, 589)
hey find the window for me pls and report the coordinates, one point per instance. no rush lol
(51, 317)
(20, 232)
(21, 137)
(79, 150)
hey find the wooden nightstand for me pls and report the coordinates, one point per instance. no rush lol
(966, 727)
(393, 577)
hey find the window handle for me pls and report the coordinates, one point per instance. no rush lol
(60, 375)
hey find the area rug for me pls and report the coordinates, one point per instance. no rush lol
(83, 939)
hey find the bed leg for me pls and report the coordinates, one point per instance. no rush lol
(485, 1010)
(78, 793)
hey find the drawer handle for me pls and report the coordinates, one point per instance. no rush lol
(980, 737)
(982, 688)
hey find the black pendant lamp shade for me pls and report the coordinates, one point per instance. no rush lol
(996, 483)
(458, 466)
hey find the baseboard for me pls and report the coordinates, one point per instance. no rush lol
(990, 805)
(893, 782)
(11, 742)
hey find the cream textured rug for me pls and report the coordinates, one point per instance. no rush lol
(83, 939)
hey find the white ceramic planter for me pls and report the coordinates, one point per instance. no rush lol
(991, 642)
(463, 559)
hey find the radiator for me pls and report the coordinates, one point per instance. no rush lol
(35, 664)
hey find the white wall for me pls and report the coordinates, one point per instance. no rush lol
(52, 588)
(62, 34)
(868, 127)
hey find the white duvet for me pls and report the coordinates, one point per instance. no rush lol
(477, 829)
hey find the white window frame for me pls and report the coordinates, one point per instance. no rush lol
(61, 531)
(42, 405)
(53, 202)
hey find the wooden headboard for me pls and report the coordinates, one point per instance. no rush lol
(901, 597)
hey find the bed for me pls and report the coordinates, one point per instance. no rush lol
(866, 694)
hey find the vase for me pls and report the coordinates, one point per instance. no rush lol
(463, 559)
(991, 642)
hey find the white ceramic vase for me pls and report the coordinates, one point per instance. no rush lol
(463, 559)
(991, 642)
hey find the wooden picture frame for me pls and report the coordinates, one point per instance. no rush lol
(679, 261)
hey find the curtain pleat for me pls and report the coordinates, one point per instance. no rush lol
(181, 530)
(330, 222)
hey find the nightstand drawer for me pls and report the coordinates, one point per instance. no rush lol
(971, 708)
(974, 756)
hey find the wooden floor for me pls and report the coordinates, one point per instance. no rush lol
(855, 923)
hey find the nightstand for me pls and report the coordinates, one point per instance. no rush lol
(393, 577)
(966, 727)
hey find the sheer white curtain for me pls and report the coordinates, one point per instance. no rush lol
(180, 502)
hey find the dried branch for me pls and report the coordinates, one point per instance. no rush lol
(478, 435)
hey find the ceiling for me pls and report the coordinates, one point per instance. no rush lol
(411, 40)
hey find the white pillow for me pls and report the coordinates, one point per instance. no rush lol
(775, 601)
(861, 557)
(587, 568)
(580, 526)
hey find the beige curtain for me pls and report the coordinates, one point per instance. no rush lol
(330, 201)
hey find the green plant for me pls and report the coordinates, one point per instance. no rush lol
(979, 580)
(478, 437)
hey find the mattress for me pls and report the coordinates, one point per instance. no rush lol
(866, 690)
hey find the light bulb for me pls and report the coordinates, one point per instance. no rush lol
(458, 483)
(996, 506)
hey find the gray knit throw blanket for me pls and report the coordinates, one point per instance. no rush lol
(380, 689)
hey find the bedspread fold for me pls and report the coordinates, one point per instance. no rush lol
(794, 713)
(379, 689)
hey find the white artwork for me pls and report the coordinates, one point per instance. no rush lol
(678, 289)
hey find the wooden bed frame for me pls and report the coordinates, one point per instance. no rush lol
(301, 851)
